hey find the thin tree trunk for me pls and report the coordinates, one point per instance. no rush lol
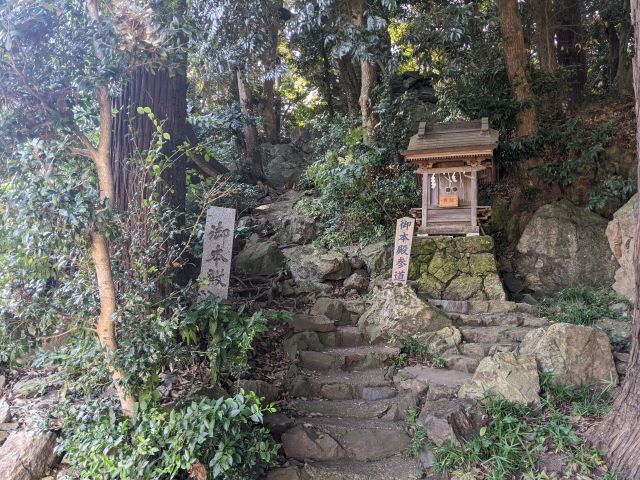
(351, 81)
(516, 59)
(105, 327)
(249, 131)
(543, 15)
(570, 46)
(618, 435)
(368, 80)
(326, 78)
(623, 79)
(267, 107)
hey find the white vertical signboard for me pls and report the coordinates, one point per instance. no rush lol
(216, 253)
(402, 250)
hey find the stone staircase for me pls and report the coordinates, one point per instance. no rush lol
(348, 405)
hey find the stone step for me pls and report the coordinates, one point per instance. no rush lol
(385, 409)
(312, 323)
(392, 468)
(347, 358)
(367, 385)
(326, 438)
(481, 350)
(511, 319)
(462, 363)
(434, 383)
(343, 337)
(496, 334)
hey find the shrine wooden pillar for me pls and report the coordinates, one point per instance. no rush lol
(425, 197)
(474, 198)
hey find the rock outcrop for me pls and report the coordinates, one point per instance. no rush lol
(577, 355)
(621, 235)
(260, 257)
(27, 455)
(562, 246)
(310, 263)
(455, 268)
(514, 377)
(378, 258)
(283, 164)
(398, 312)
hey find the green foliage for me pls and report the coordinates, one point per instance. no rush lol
(582, 401)
(612, 188)
(582, 305)
(362, 191)
(225, 435)
(417, 443)
(513, 440)
(578, 147)
(231, 336)
(415, 351)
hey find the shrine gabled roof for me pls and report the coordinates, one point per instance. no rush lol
(441, 138)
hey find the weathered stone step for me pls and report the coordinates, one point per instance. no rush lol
(435, 383)
(347, 358)
(343, 337)
(326, 438)
(393, 468)
(500, 334)
(385, 409)
(462, 363)
(367, 385)
(481, 350)
(312, 323)
(506, 319)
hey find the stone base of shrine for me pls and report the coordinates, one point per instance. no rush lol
(455, 268)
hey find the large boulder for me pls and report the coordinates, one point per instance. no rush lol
(621, 235)
(260, 257)
(514, 377)
(27, 455)
(562, 246)
(398, 312)
(577, 355)
(310, 263)
(378, 257)
(283, 164)
(298, 229)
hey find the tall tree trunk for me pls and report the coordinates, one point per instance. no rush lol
(105, 326)
(368, 79)
(516, 59)
(350, 80)
(327, 78)
(618, 435)
(570, 46)
(268, 106)
(544, 37)
(623, 79)
(250, 139)
(166, 95)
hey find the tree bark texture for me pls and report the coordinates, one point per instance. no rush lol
(165, 94)
(570, 46)
(544, 36)
(516, 59)
(268, 105)
(618, 435)
(368, 78)
(250, 139)
(350, 80)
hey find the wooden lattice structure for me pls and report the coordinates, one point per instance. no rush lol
(452, 158)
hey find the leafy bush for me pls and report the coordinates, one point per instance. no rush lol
(582, 305)
(612, 188)
(223, 435)
(363, 190)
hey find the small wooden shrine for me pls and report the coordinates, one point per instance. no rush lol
(451, 159)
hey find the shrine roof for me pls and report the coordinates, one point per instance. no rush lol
(453, 139)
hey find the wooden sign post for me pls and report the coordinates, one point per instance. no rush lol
(216, 253)
(402, 250)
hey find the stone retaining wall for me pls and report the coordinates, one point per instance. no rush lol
(461, 268)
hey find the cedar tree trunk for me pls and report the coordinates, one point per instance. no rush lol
(516, 58)
(570, 43)
(250, 139)
(543, 15)
(618, 435)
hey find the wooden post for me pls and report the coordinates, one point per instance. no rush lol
(425, 198)
(474, 198)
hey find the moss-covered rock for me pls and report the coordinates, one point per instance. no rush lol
(442, 266)
(482, 263)
(492, 286)
(463, 287)
(483, 244)
(429, 286)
